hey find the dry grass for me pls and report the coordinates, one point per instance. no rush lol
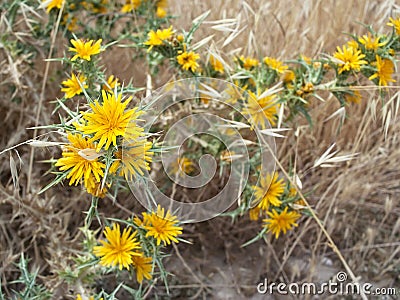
(356, 201)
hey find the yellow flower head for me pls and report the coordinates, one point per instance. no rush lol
(254, 213)
(352, 44)
(276, 65)
(133, 159)
(181, 166)
(261, 111)
(73, 86)
(143, 267)
(288, 76)
(281, 222)
(269, 191)
(50, 4)
(161, 12)
(85, 50)
(216, 65)
(395, 23)
(80, 158)
(110, 119)
(130, 5)
(370, 42)
(306, 59)
(292, 192)
(349, 59)
(112, 82)
(385, 69)
(156, 38)
(119, 249)
(188, 60)
(248, 62)
(163, 227)
(94, 188)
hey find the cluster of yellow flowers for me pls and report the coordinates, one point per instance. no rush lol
(167, 39)
(127, 249)
(106, 143)
(372, 55)
(75, 13)
(96, 139)
(273, 198)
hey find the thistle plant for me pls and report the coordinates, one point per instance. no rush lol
(113, 137)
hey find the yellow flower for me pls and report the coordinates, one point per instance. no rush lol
(281, 222)
(395, 23)
(143, 267)
(306, 59)
(161, 12)
(353, 96)
(163, 227)
(317, 64)
(216, 65)
(350, 59)
(292, 192)
(80, 158)
(274, 64)
(161, 6)
(137, 221)
(73, 86)
(109, 120)
(269, 191)
(134, 159)
(308, 87)
(50, 4)
(385, 69)
(188, 60)
(119, 249)
(156, 38)
(254, 213)
(288, 76)
(352, 44)
(182, 166)
(85, 50)
(94, 188)
(248, 62)
(261, 110)
(370, 42)
(112, 82)
(301, 202)
(130, 5)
